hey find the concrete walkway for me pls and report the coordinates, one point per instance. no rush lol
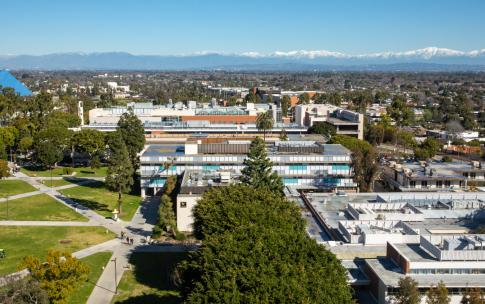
(139, 228)
(43, 188)
(106, 246)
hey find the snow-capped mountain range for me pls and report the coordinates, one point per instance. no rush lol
(431, 58)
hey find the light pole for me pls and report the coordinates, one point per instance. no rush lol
(116, 278)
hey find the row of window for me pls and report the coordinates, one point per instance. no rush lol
(448, 271)
(438, 184)
(335, 169)
(276, 159)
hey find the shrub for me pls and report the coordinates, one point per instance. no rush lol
(180, 236)
(157, 231)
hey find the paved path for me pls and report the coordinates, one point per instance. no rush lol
(43, 188)
(106, 246)
(139, 228)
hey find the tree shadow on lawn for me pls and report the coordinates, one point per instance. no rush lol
(155, 269)
(96, 184)
(152, 298)
(84, 204)
(92, 204)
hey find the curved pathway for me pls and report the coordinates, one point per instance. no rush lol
(139, 228)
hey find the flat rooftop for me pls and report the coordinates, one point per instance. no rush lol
(154, 150)
(197, 182)
(438, 169)
(442, 226)
(390, 274)
(415, 253)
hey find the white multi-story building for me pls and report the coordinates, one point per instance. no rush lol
(346, 122)
(304, 164)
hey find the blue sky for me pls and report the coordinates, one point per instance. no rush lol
(230, 26)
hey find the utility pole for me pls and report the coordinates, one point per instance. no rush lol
(7, 208)
(116, 277)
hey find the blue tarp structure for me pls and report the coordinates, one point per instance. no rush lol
(7, 80)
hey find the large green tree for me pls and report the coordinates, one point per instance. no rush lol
(48, 155)
(88, 141)
(119, 177)
(323, 128)
(364, 160)
(304, 98)
(400, 112)
(255, 250)
(258, 171)
(427, 149)
(133, 134)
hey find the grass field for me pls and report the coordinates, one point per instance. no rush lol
(20, 241)
(39, 207)
(150, 281)
(55, 182)
(96, 262)
(80, 171)
(96, 197)
(9, 187)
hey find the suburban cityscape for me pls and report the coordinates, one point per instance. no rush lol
(250, 176)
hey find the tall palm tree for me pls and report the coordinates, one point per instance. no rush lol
(264, 122)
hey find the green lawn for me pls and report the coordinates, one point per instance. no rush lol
(10, 187)
(96, 197)
(80, 171)
(55, 182)
(150, 281)
(40, 207)
(96, 262)
(20, 241)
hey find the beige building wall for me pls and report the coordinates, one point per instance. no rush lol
(185, 206)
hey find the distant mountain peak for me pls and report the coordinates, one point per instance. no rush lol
(428, 58)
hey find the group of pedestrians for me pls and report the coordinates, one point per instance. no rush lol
(129, 240)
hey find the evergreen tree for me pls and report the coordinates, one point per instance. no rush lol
(119, 177)
(167, 220)
(255, 250)
(438, 294)
(258, 171)
(408, 292)
(133, 134)
(285, 105)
